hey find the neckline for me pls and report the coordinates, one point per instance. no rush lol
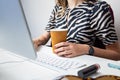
(78, 5)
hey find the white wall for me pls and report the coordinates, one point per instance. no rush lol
(38, 11)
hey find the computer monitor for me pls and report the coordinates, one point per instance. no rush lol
(14, 31)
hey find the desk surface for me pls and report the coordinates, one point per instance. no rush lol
(16, 68)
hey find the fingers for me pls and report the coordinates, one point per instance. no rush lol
(63, 53)
(62, 44)
(35, 42)
(60, 47)
(63, 49)
(67, 54)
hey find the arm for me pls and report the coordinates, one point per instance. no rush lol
(43, 39)
(112, 51)
(105, 31)
(68, 49)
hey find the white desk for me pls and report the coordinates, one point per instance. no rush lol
(16, 68)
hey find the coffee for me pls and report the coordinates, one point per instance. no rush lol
(57, 36)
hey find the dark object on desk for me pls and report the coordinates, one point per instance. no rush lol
(84, 73)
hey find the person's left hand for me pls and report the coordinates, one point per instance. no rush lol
(67, 49)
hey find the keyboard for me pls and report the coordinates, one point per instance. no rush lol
(52, 61)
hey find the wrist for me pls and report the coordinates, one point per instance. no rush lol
(86, 49)
(39, 42)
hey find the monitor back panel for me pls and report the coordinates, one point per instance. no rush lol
(14, 32)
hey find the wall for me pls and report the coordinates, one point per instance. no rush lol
(37, 13)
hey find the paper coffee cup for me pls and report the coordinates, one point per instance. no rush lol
(57, 36)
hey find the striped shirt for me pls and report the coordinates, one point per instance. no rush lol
(86, 22)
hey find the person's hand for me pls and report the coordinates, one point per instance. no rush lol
(36, 43)
(67, 49)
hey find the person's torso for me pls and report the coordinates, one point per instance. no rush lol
(77, 21)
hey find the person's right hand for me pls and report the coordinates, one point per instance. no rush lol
(36, 43)
(41, 40)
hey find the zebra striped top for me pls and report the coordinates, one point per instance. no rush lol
(86, 22)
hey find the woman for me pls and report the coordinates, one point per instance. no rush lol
(87, 21)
